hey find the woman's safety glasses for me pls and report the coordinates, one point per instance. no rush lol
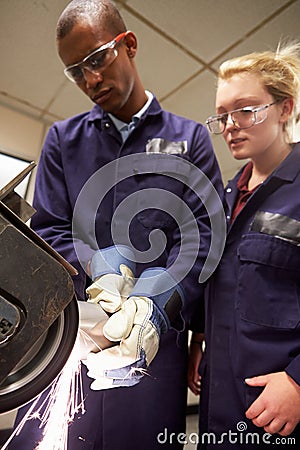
(242, 118)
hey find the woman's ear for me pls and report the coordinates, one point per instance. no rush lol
(287, 107)
(130, 41)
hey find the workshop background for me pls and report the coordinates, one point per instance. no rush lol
(181, 44)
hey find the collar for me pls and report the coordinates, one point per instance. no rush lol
(119, 124)
(125, 128)
(287, 170)
(151, 107)
(290, 166)
(242, 183)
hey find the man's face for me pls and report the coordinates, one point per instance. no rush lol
(111, 87)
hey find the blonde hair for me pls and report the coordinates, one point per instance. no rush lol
(278, 70)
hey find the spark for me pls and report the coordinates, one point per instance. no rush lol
(135, 371)
(65, 400)
(18, 429)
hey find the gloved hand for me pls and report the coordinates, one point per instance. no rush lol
(126, 364)
(90, 333)
(112, 289)
(91, 339)
(112, 273)
(138, 326)
(111, 369)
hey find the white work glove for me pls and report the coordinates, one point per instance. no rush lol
(110, 369)
(90, 334)
(112, 289)
(112, 272)
(92, 342)
(137, 326)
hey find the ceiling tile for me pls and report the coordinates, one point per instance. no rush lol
(204, 26)
(70, 100)
(195, 100)
(27, 42)
(162, 66)
(284, 26)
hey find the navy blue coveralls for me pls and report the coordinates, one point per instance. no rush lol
(126, 418)
(253, 309)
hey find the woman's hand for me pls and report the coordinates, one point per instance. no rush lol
(277, 408)
(195, 355)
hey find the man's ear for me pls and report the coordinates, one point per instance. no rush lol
(130, 41)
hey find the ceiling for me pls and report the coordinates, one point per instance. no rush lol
(181, 44)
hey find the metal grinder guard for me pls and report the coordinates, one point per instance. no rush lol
(38, 307)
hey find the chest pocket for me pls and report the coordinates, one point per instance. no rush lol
(268, 281)
(161, 183)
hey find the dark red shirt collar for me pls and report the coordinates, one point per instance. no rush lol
(243, 191)
(242, 183)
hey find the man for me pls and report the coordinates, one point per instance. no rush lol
(127, 122)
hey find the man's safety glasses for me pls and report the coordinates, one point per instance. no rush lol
(242, 118)
(95, 62)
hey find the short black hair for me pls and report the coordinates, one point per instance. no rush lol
(102, 12)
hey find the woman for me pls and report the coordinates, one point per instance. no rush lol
(250, 371)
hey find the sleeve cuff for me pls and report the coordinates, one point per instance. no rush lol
(293, 369)
(108, 260)
(157, 284)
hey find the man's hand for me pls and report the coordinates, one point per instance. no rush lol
(108, 365)
(150, 311)
(136, 328)
(111, 290)
(277, 409)
(112, 270)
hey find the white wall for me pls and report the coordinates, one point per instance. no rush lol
(21, 136)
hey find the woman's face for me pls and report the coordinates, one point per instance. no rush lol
(262, 139)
